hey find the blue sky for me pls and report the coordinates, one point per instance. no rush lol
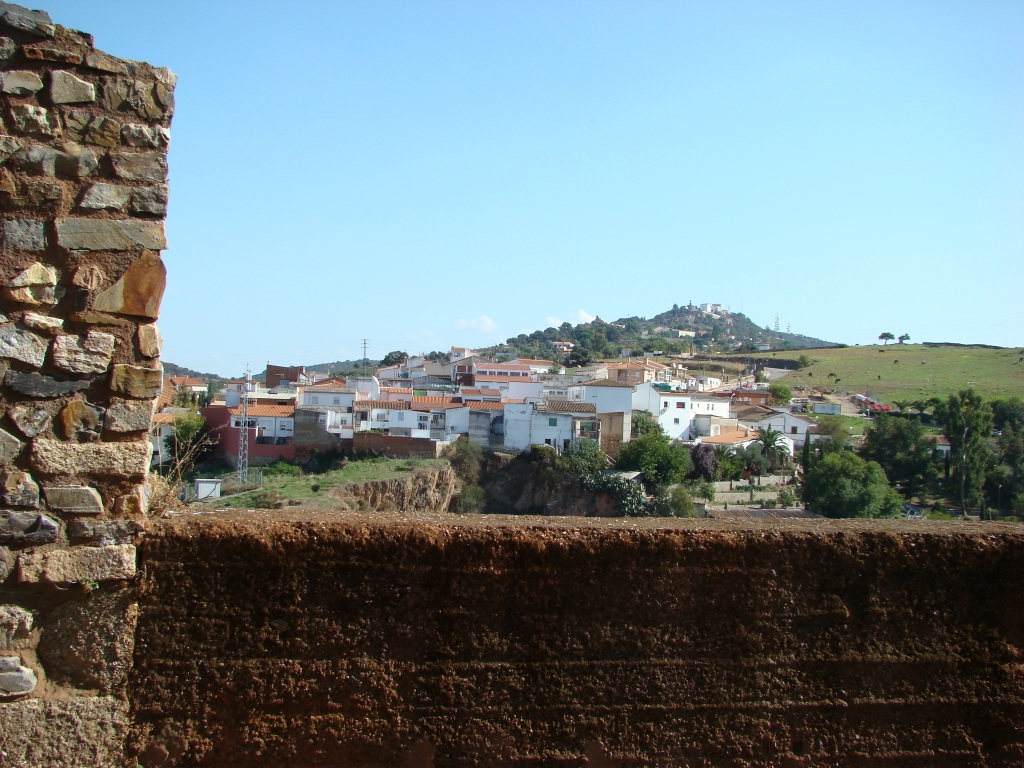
(423, 174)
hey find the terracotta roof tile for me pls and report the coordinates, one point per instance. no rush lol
(267, 411)
(566, 407)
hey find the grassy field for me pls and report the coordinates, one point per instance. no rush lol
(912, 371)
(289, 483)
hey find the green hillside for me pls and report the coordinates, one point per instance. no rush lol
(911, 371)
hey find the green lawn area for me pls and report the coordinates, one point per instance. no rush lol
(911, 371)
(289, 483)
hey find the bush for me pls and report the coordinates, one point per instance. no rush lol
(266, 499)
(682, 503)
(282, 467)
(467, 459)
(472, 499)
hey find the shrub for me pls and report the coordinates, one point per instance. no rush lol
(682, 503)
(266, 499)
(467, 460)
(282, 467)
(472, 499)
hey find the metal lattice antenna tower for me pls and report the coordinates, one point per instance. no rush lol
(243, 431)
(776, 323)
(365, 343)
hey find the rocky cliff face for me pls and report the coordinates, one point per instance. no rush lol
(431, 490)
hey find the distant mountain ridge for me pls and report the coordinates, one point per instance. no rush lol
(714, 331)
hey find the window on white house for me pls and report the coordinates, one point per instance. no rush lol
(552, 422)
(314, 400)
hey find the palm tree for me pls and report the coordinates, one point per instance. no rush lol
(772, 447)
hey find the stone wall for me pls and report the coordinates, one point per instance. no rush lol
(83, 195)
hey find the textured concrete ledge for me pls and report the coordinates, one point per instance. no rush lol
(459, 642)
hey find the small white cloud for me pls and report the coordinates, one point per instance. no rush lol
(484, 324)
(581, 316)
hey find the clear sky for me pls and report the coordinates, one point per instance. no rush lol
(423, 174)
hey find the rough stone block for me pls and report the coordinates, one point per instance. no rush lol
(137, 382)
(105, 63)
(91, 129)
(8, 146)
(18, 489)
(25, 529)
(150, 200)
(10, 447)
(7, 47)
(7, 561)
(30, 120)
(25, 235)
(51, 53)
(134, 504)
(88, 276)
(77, 565)
(139, 291)
(76, 161)
(110, 234)
(15, 624)
(148, 167)
(81, 421)
(37, 159)
(42, 323)
(15, 679)
(145, 136)
(129, 415)
(89, 643)
(56, 457)
(17, 343)
(38, 385)
(105, 197)
(20, 83)
(149, 340)
(74, 499)
(30, 419)
(18, 17)
(84, 354)
(87, 732)
(103, 533)
(65, 88)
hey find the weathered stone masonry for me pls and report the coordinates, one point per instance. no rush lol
(83, 195)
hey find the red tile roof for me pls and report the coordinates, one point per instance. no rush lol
(387, 405)
(267, 411)
(569, 407)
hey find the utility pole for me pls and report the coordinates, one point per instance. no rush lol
(243, 432)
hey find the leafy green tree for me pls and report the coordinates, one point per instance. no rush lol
(834, 435)
(681, 502)
(967, 426)
(705, 461)
(577, 358)
(642, 423)
(903, 337)
(752, 460)
(729, 466)
(393, 358)
(1004, 483)
(781, 394)
(886, 337)
(584, 459)
(845, 485)
(1008, 413)
(663, 463)
(899, 447)
(804, 361)
(772, 447)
